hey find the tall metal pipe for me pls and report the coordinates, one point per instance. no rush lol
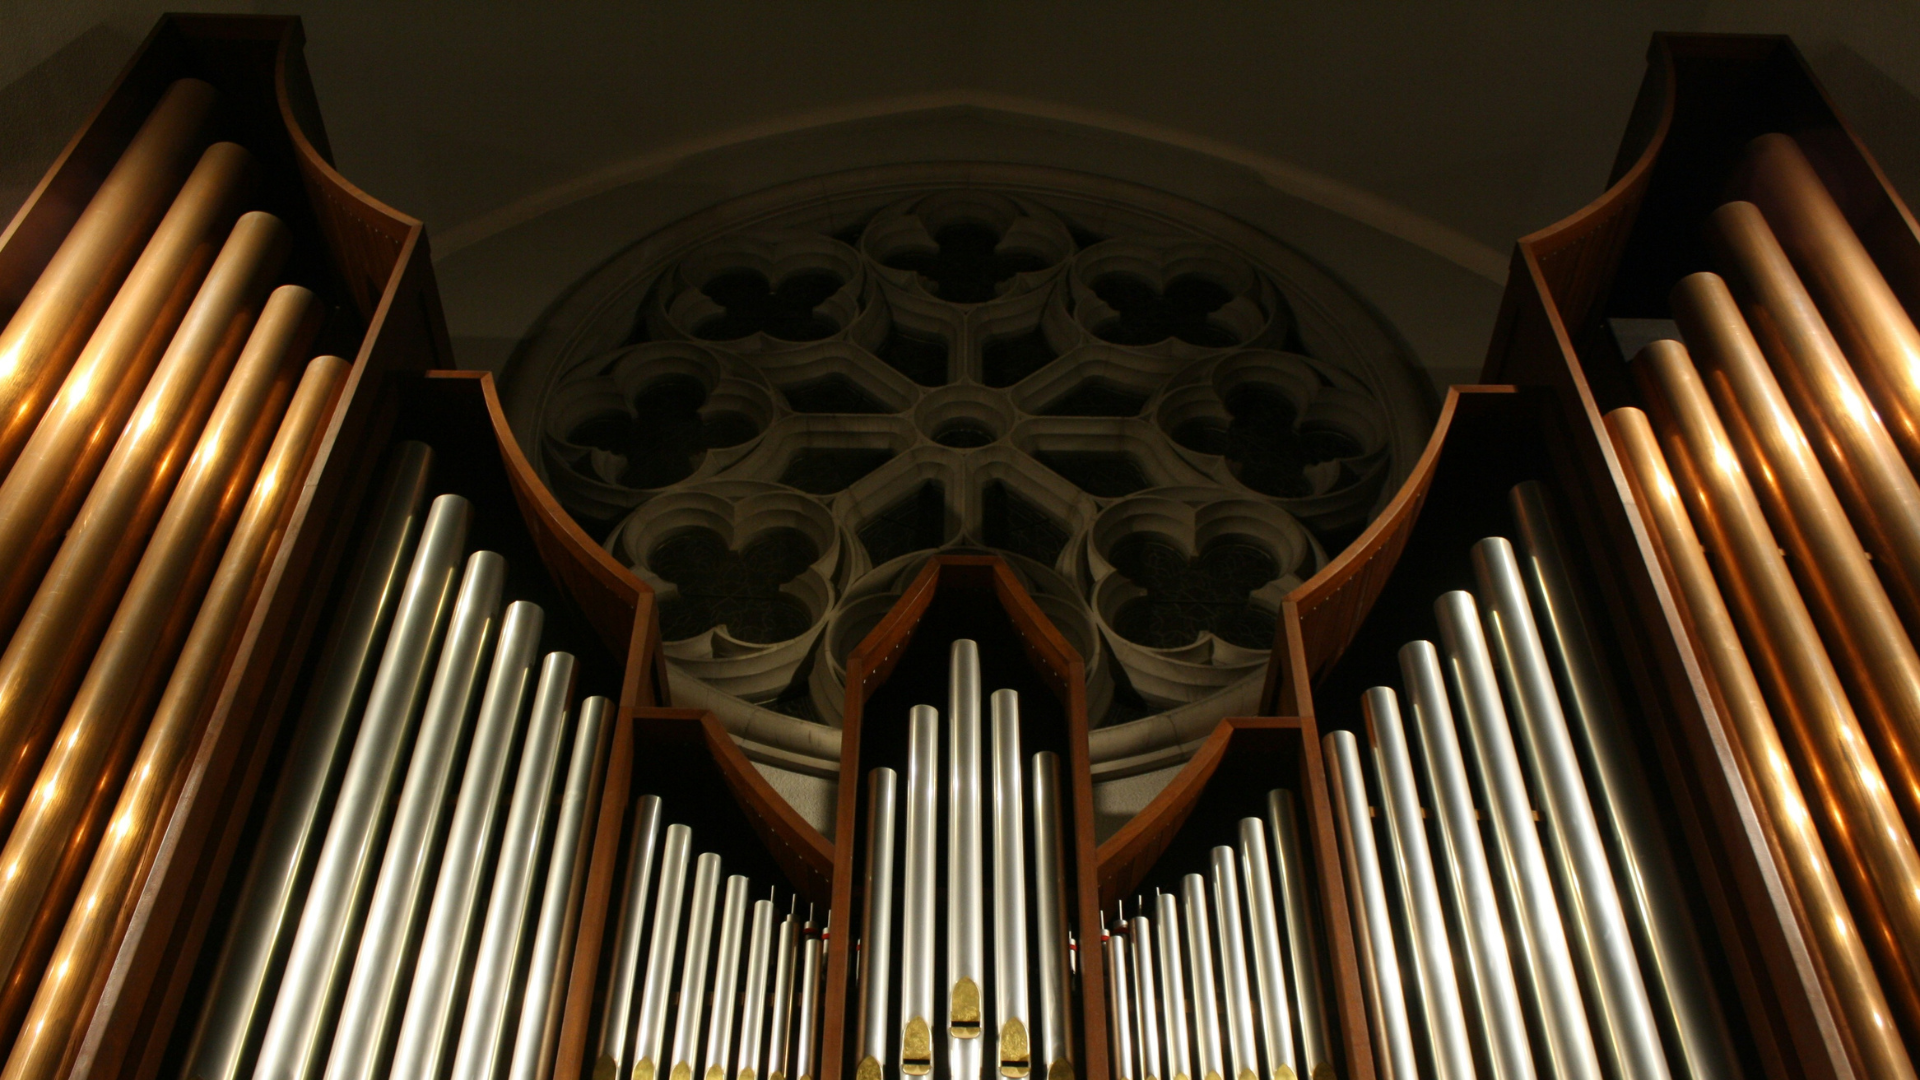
(1119, 1001)
(1489, 964)
(1865, 827)
(623, 984)
(59, 1004)
(445, 948)
(726, 980)
(537, 1037)
(1543, 937)
(240, 994)
(656, 997)
(1392, 1035)
(1837, 578)
(807, 1024)
(61, 310)
(1173, 991)
(376, 995)
(1829, 923)
(876, 927)
(50, 650)
(1873, 479)
(62, 465)
(316, 970)
(1146, 1005)
(1269, 963)
(1206, 1002)
(1426, 920)
(919, 894)
(1011, 1006)
(966, 915)
(1052, 942)
(780, 1013)
(1303, 933)
(753, 1013)
(693, 971)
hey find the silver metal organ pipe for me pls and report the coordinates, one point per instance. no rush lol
(966, 953)
(693, 971)
(1119, 1001)
(1206, 1004)
(1237, 989)
(753, 1014)
(780, 1015)
(1050, 919)
(1269, 963)
(1010, 890)
(1173, 991)
(726, 979)
(809, 1020)
(1146, 1009)
(650, 1025)
(1391, 1032)
(1303, 934)
(920, 891)
(623, 987)
(876, 930)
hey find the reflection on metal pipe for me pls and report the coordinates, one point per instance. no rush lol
(876, 930)
(370, 1014)
(1542, 936)
(260, 930)
(656, 993)
(1173, 991)
(693, 972)
(1510, 1051)
(753, 1015)
(1865, 826)
(780, 1018)
(60, 312)
(452, 921)
(1146, 1007)
(538, 1036)
(726, 979)
(1426, 921)
(920, 891)
(1206, 1003)
(1269, 964)
(966, 917)
(1050, 919)
(1010, 889)
(89, 931)
(1303, 934)
(1374, 926)
(1829, 923)
(1237, 989)
(807, 1026)
(623, 986)
(1119, 1001)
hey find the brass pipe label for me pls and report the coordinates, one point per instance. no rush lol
(1015, 1059)
(965, 1021)
(916, 1048)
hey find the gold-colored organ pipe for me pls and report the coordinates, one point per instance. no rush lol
(1863, 822)
(1865, 467)
(1860, 308)
(1836, 578)
(89, 932)
(73, 600)
(52, 843)
(56, 468)
(58, 314)
(1829, 921)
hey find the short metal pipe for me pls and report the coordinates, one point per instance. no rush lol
(1051, 936)
(1173, 990)
(780, 1013)
(1119, 1001)
(965, 885)
(656, 988)
(1303, 932)
(1392, 1034)
(876, 927)
(1269, 963)
(726, 979)
(623, 984)
(1206, 1003)
(693, 971)
(1011, 1006)
(1237, 1007)
(807, 1024)
(1146, 1005)
(920, 892)
(753, 1011)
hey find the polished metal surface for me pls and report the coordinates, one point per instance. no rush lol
(1173, 991)
(1446, 1024)
(1206, 1002)
(1666, 938)
(543, 1002)
(1470, 883)
(59, 1004)
(1052, 943)
(876, 925)
(656, 987)
(753, 1009)
(1830, 922)
(726, 980)
(1236, 988)
(965, 884)
(623, 986)
(316, 969)
(257, 936)
(370, 1014)
(920, 892)
(693, 971)
(1119, 1002)
(806, 1030)
(1303, 934)
(58, 315)
(780, 1014)
(1268, 960)
(1011, 1007)
(1393, 1038)
(452, 919)
(1570, 1050)
(1146, 1004)
(1865, 830)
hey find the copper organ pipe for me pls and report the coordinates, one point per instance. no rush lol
(58, 314)
(1860, 308)
(1829, 921)
(241, 991)
(1876, 850)
(56, 468)
(1865, 467)
(1836, 577)
(89, 932)
(52, 842)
